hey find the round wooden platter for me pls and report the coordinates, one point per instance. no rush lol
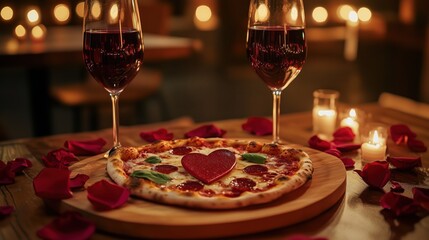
(140, 218)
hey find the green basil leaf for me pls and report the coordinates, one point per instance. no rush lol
(254, 157)
(153, 176)
(153, 159)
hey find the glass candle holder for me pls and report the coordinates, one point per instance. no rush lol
(353, 118)
(325, 111)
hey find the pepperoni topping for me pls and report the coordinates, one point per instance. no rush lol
(242, 184)
(181, 150)
(164, 168)
(255, 169)
(190, 186)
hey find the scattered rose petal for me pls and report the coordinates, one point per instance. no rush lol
(347, 147)
(52, 183)
(421, 197)
(344, 134)
(85, 148)
(416, 145)
(400, 205)
(319, 144)
(68, 226)
(375, 174)
(206, 131)
(78, 181)
(59, 158)
(6, 211)
(9, 170)
(334, 152)
(396, 187)
(258, 126)
(401, 133)
(404, 163)
(304, 237)
(106, 196)
(157, 135)
(348, 162)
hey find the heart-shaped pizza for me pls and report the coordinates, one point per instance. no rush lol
(214, 173)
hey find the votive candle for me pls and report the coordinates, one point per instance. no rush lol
(374, 149)
(351, 121)
(324, 120)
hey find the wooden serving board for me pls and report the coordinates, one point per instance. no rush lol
(139, 218)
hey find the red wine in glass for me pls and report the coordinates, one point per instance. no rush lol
(277, 54)
(113, 60)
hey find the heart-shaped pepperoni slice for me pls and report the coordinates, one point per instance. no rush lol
(209, 168)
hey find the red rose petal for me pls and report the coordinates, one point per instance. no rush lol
(347, 147)
(157, 135)
(206, 131)
(348, 162)
(68, 226)
(398, 204)
(396, 187)
(421, 197)
(59, 158)
(85, 148)
(106, 196)
(6, 211)
(319, 144)
(334, 152)
(375, 174)
(52, 183)
(8, 170)
(78, 181)
(416, 145)
(404, 163)
(343, 134)
(258, 126)
(401, 133)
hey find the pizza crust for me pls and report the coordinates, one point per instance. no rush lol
(148, 190)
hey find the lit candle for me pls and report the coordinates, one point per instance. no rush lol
(351, 121)
(324, 120)
(374, 149)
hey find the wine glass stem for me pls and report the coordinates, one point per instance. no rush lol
(115, 111)
(276, 114)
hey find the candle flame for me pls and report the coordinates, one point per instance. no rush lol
(375, 138)
(352, 113)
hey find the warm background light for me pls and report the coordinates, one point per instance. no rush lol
(364, 14)
(6, 13)
(38, 32)
(20, 31)
(114, 11)
(33, 16)
(96, 10)
(353, 16)
(203, 13)
(320, 14)
(343, 11)
(62, 13)
(80, 9)
(262, 13)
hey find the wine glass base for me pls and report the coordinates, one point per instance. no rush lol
(111, 151)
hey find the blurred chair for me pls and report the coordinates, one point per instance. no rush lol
(88, 96)
(403, 104)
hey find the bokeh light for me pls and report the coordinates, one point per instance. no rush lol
(343, 11)
(6, 13)
(364, 14)
(62, 13)
(320, 14)
(80, 9)
(203, 13)
(33, 16)
(20, 31)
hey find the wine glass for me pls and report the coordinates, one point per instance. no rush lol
(112, 48)
(276, 46)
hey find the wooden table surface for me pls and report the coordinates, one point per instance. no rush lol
(357, 215)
